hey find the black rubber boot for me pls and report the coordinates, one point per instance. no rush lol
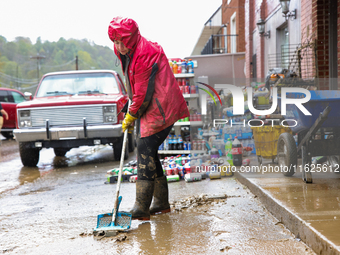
(160, 203)
(144, 192)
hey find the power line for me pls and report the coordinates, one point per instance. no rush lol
(19, 80)
(9, 86)
(69, 62)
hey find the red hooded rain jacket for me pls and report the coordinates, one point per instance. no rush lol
(152, 87)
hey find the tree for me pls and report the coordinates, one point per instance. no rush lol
(86, 60)
(38, 45)
(24, 45)
(10, 50)
(15, 56)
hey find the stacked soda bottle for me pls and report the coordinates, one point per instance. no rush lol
(172, 142)
(178, 165)
(182, 66)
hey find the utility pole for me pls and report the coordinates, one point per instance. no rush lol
(38, 57)
(76, 62)
(17, 75)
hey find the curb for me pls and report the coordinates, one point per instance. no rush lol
(309, 235)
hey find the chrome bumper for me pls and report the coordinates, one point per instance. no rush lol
(67, 133)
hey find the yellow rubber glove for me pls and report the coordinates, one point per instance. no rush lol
(128, 120)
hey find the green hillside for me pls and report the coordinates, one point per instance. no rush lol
(21, 62)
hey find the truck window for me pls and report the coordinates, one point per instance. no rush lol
(4, 97)
(77, 84)
(18, 98)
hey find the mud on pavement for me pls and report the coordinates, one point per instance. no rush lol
(56, 215)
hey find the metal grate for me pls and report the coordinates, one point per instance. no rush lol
(298, 58)
(67, 116)
(216, 44)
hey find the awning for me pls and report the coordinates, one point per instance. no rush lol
(204, 37)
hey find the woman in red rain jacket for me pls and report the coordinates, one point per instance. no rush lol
(157, 103)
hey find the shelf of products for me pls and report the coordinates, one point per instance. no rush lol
(181, 152)
(184, 75)
(189, 123)
(180, 139)
(190, 96)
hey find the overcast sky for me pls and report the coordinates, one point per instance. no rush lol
(176, 24)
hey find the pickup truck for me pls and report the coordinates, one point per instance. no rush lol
(72, 109)
(9, 98)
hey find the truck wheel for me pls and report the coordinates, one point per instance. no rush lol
(29, 156)
(60, 152)
(287, 154)
(131, 138)
(117, 149)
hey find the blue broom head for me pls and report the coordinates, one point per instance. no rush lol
(123, 220)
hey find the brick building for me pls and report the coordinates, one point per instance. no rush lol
(233, 25)
(305, 41)
(320, 22)
(224, 30)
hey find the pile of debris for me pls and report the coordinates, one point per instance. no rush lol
(194, 201)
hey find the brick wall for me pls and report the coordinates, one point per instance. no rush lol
(315, 27)
(306, 20)
(248, 38)
(240, 26)
(227, 11)
(320, 10)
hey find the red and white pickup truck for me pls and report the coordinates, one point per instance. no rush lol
(72, 109)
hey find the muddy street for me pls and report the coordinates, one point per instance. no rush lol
(52, 209)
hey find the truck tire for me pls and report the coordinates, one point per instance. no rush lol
(29, 156)
(287, 154)
(117, 149)
(131, 138)
(60, 152)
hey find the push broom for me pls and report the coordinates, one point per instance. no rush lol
(109, 224)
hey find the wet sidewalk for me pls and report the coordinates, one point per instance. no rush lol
(310, 211)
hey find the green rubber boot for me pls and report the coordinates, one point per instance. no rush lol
(144, 192)
(160, 203)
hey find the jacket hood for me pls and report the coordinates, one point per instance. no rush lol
(125, 30)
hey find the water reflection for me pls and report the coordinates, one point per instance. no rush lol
(28, 174)
(156, 236)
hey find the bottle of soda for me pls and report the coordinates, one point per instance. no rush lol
(228, 148)
(184, 66)
(174, 143)
(175, 67)
(180, 143)
(190, 66)
(236, 151)
(179, 66)
(170, 142)
(214, 153)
